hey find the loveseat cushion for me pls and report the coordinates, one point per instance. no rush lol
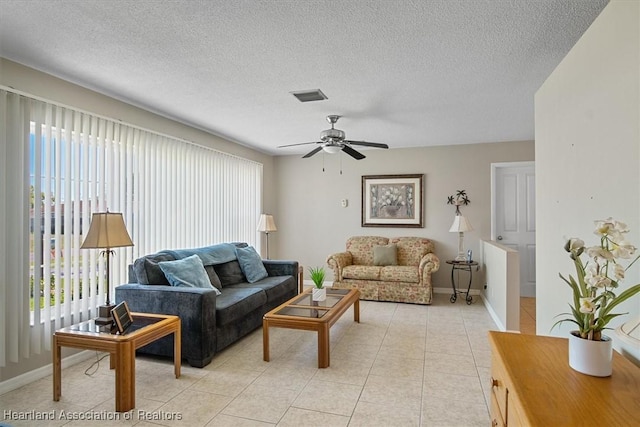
(213, 276)
(275, 287)
(230, 273)
(361, 248)
(235, 302)
(399, 273)
(361, 272)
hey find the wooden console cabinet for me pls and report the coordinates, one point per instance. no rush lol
(533, 385)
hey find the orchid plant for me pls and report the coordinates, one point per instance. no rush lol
(595, 281)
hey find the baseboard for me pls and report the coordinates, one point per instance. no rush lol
(472, 292)
(31, 376)
(493, 314)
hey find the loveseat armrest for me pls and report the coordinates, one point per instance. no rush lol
(196, 308)
(337, 262)
(429, 263)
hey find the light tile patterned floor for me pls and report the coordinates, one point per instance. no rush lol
(403, 365)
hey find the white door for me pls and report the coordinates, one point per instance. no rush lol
(513, 216)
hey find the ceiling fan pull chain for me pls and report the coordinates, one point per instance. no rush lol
(341, 163)
(323, 162)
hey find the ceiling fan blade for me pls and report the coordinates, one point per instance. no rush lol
(353, 153)
(311, 153)
(300, 143)
(367, 144)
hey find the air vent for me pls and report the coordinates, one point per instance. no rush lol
(309, 95)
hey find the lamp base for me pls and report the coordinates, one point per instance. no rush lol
(461, 258)
(104, 314)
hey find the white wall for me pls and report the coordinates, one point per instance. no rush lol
(588, 154)
(312, 224)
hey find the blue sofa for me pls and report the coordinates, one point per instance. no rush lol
(212, 319)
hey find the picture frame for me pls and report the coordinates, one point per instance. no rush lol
(392, 200)
(122, 317)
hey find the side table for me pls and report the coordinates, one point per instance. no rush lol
(457, 266)
(87, 335)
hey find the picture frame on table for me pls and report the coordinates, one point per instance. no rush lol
(393, 200)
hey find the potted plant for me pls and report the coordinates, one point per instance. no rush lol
(594, 299)
(319, 292)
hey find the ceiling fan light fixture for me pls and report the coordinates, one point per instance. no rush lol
(332, 148)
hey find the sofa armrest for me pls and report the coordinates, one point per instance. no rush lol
(284, 268)
(338, 261)
(196, 308)
(428, 264)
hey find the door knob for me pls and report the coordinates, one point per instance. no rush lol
(499, 237)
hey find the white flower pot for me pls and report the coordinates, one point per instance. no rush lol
(593, 358)
(319, 294)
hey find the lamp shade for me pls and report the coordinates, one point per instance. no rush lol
(460, 223)
(266, 223)
(107, 230)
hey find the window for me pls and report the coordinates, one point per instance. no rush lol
(59, 165)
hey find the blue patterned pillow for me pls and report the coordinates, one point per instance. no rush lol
(251, 264)
(187, 272)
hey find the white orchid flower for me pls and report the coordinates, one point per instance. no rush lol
(603, 227)
(587, 305)
(618, 272)
(597, 280)
(623, 249)
(599, 252)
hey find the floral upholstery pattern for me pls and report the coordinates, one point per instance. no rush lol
(409, 281)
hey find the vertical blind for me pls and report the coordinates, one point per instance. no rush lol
(59, 165)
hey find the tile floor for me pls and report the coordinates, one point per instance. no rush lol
(403, 365)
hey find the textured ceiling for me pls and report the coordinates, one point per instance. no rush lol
(403, 72)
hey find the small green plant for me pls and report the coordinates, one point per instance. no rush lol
(317, 275)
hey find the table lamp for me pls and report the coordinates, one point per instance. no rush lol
(267, 225)
(460, 225)
(107, 231)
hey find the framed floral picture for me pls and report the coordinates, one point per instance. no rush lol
(392, 200)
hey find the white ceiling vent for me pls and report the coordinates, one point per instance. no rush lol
(309, 95)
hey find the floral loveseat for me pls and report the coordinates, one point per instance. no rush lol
(369, 264)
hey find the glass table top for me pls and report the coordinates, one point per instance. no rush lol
(304, 306)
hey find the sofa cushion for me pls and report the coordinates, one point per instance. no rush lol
(399, 273)
(213, 276)
(251, 264)
(385, 255)
(276, 287)
(147, 270)
(235, 302)
(230, 273)
(361, 272)
(188, 272)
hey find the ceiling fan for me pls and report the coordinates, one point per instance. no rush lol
(333, 141)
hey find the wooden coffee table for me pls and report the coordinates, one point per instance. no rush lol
(300, 312)
(146, 328)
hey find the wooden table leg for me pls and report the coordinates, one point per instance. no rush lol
(57, 380)
(323, 346)
(177, 348)
(356, 311)
(125, 377)
(265, 340)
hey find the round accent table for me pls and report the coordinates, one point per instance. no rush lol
(456, 267)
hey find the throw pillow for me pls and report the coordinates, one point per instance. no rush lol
(251, 264)
(385, 255)
(187, 272)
